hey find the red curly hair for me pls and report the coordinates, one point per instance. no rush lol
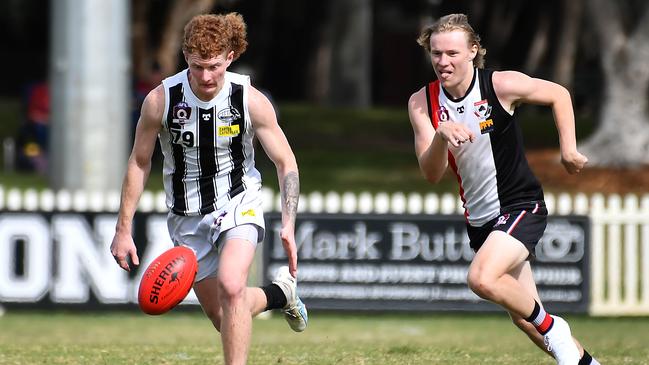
(210, 35)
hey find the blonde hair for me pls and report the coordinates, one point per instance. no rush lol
(449, 23)
(210, 35)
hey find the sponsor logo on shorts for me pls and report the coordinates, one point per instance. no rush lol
(219, 219)
(502, 220)
(249, 212)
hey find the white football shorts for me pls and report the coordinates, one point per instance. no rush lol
(242, 218)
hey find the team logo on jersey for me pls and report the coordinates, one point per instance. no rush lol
(182, 111)
(460, 109)
(442, 114)
(487, 126)
(228, 114)
(228, 130)
(502, 220)
(482, 109)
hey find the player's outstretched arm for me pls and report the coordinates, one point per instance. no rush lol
(137, 173)
(514, 88)
(277, 148)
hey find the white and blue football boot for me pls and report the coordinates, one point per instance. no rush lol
(295, 311)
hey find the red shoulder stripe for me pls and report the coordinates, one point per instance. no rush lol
(432, 91)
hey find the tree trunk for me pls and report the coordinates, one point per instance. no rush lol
(351, 57)
(318, 80)
(538, 45)
(564, 62)
(621, 140)
(140, 39)
(502, 19)
(622, 137)
(181, 12)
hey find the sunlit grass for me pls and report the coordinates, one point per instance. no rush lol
(188, 338)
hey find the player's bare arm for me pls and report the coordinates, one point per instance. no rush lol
(431, 146)
(514, 88)
(277, 148)
(137, 173)
(291, 194)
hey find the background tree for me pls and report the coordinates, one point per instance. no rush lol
(622, 136)
(566, 51)
(149, 52)
(344, 55)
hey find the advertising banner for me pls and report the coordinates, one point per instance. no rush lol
(407, 262)
(347, 262)
(55, 259)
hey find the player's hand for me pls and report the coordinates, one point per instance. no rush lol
(287, 234)
(573, 161)
(455, 133)
(122, 249)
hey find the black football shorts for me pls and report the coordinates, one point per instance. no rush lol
(525, 221)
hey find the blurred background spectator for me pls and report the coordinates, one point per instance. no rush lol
(144, 83)
(32, 139)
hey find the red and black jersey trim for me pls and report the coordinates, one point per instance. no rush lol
(432, 99)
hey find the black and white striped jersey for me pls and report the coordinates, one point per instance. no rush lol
(492, 171)
(207, 146)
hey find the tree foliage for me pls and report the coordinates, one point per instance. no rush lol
(300, 51)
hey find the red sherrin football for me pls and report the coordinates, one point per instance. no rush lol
(167, 280)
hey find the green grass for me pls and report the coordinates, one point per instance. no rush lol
(11, 115)
(340, 339)
(23, 180)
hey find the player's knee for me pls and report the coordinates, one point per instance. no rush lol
(480, 284)
(231, 290)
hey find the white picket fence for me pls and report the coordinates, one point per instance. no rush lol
(619, 232)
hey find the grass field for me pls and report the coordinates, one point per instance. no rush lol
(187, 338)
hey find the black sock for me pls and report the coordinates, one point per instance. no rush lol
(585, 359)
(275, 297)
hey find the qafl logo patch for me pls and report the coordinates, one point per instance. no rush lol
(442, 114)
(229, 114)
(182, 112)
